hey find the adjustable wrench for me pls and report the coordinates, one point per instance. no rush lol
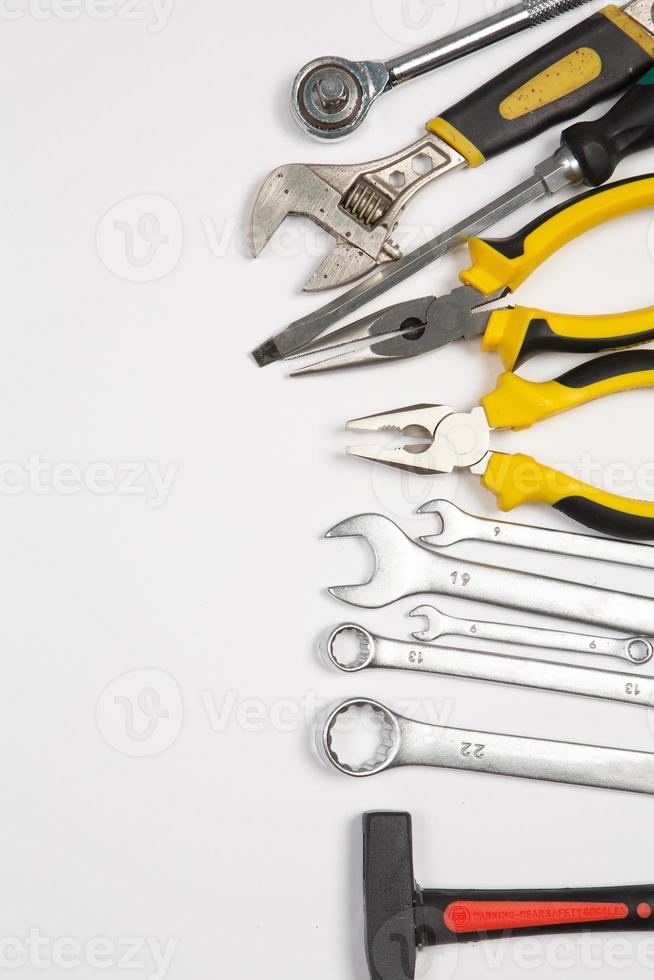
(404, 742)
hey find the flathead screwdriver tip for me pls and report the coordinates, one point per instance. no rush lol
(266, 353)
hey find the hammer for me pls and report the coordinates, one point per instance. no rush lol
(402, 918)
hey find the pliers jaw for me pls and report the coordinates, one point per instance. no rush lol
(405, 330)
(451, 440)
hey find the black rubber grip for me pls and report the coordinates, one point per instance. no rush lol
(513, 246)
(611, 366)
(445, 917)
(605, 520)
(627, 128)
(541, 339)
(478, 116)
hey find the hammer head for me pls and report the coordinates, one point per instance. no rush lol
(389, 895)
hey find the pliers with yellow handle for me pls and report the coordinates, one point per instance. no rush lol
(453, 440)
(499, 267)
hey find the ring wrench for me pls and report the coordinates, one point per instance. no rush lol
(405, 742)
(332, 96)
(635, 650)
(544, 675)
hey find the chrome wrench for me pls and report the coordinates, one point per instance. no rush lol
(544, 675)
(405, 742)
(458, 525)
(405, 568)
(331, 97)
(634, 650)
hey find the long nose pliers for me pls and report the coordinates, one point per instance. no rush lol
(498, 268)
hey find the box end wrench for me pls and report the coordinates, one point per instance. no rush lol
(380, 652)
(404, 742)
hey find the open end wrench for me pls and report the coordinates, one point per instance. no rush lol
(404, 568)
(405, 742)
(544, 675)
(458, 525)
(634, 650)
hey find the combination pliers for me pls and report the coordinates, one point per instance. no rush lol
(452, 440)
(498, 268)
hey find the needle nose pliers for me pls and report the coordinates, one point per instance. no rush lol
(498, 268)
(453, 440)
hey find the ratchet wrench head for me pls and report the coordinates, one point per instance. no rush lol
(332, 96)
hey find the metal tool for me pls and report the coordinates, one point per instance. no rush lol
(361, 204)
(401, 918)
(499, 267)
(332, 96)
(635, 650)
(404, 568)
(405, 742)
(588, 152)
(380, 652)
(458, 525)
(462, 440)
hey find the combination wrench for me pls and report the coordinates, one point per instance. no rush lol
(405, 742)
(635, 650)
(458, 525)
(544, 675)
(405, 568)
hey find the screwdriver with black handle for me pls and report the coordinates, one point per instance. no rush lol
(589, 153)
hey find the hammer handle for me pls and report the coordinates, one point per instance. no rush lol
(444, 917)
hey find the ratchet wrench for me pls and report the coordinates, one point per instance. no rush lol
(405, 742)
(635, 650)
(331, 97)
(544, 675)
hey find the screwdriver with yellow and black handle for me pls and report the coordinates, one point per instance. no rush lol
(589, 153)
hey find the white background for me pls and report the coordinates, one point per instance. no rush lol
(212, 829)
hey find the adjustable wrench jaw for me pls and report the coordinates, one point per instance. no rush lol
(455, 440)
(360, 205)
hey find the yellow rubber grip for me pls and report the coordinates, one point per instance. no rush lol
(518, 479)
(517, 403)
(508, 262)
(518, 333)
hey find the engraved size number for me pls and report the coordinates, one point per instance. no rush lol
(458, 578)
(633, 689)
(473, 750)
(415, 657)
